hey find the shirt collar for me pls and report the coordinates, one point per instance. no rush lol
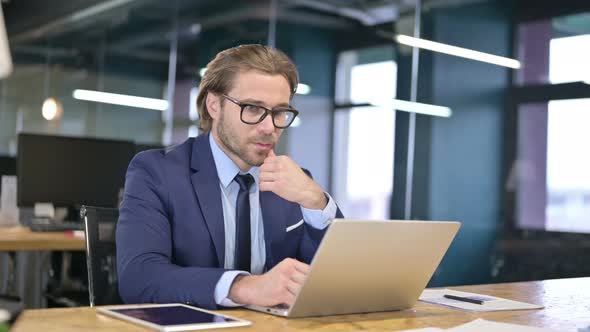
(226, 168)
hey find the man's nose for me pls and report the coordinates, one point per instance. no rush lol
(267, 126)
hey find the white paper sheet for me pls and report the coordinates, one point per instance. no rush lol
(490, 303)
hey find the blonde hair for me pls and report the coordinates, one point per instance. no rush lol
(226, 64)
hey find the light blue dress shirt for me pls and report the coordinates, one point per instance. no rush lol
(226, 171)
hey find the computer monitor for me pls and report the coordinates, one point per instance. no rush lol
(7, 165)
(69, 172)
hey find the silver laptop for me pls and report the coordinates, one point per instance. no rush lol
(368, 265)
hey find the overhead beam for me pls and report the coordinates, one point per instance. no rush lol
(73, 21)
(258, 12)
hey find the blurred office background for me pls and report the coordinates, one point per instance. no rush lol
(507, 161)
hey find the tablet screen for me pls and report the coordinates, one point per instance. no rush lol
(173, 315)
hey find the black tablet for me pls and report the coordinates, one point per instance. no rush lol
(172, 317)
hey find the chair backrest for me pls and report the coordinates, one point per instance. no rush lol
(100, 226)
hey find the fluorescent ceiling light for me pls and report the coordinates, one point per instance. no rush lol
(202, 71)
(412, 107)
(458, 51)
(303, 89)
(118, 99)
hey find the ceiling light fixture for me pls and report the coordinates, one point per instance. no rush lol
(119, 99)
(51, 109)
(457, 51)
(412, 107)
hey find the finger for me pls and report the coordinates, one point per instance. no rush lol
(269, 161)
(266, 186)
(293, 287)
(301, 267)
(289, 299)
(268, 167)
(267, 176)
(298, 277)
(270, 156)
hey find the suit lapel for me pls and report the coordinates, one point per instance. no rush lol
(206, 185)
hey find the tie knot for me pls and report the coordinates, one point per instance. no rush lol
(244, 181)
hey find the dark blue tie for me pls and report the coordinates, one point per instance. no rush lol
(242, 253)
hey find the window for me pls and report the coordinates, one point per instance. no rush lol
(568, 166)
(552, 168)
(364, 138)
(568, 59)
(552, 50)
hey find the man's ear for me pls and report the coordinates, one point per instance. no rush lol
(213, 105)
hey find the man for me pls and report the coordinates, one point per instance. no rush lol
(221, 219)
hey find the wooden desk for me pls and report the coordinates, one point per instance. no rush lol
(31, 261)
(566, 301)
(22, 239)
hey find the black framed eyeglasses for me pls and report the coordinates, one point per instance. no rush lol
(282, 117)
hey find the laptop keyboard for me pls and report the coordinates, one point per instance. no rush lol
(281, 306)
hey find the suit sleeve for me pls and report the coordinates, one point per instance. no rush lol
(312, 236)
(144, 244)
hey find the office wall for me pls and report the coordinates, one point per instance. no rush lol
(7, 125)
(309, 145)
(458, 159)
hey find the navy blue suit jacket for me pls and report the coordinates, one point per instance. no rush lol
(170, 234)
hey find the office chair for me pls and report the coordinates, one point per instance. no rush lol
(100, 225)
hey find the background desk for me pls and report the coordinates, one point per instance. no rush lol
(566, 301)
(22, 239)
(23, 270)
